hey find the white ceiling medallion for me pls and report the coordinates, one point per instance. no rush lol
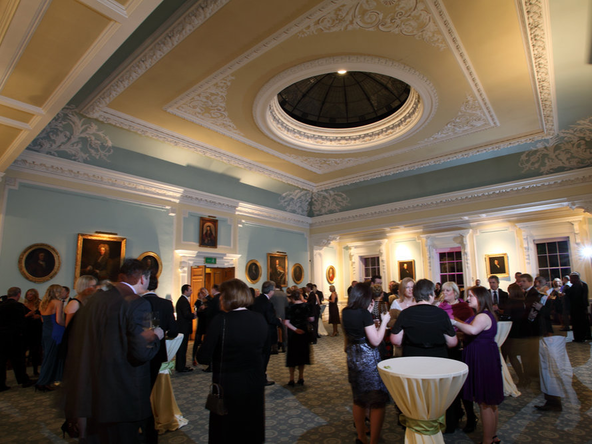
(413, 115)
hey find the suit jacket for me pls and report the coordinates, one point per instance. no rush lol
(263, 305)
(167, 322)
(502, 296)
(107, 372)
(530, 297)
(184, 316)
(12, 324)
(212, 310)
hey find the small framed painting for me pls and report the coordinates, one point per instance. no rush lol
(253, 271)
(208, 232)
(330, 274)
(39, 263)
(497, 264)
(406, 269)
(152, 261)
(297, 273)
(99, 255)
(277, 264)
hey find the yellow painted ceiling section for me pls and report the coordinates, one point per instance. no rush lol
(7, 135)
(14, 114)
(63, 36)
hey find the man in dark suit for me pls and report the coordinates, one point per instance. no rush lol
(211, 311)
(185, 319)
(498, 296)
(578, 300)
(315, 304)
(531, 324)
(12, 343)
(263, 305)
(162, 310)
(107, 372)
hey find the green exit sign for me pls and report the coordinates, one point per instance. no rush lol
(210, 260)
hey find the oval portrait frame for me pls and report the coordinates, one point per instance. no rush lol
(330, 272)
(249, 271)
(152, 254)
(28, 270)
(297, 268)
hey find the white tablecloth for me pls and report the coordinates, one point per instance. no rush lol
(167, 415)
(503, 330)
(423, 389)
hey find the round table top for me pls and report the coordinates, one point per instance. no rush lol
(423, 367)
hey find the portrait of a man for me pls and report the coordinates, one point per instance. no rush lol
(151, 261)
(99, 256)
(406, 269)
(277, 265)
(208, 229)
(39, 263)
(497, 264)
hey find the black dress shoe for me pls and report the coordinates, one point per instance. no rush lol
(470, 426)
(548, 407)
(268, 383)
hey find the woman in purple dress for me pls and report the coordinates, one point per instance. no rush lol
(484, 383)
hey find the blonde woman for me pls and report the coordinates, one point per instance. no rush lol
(52, 312)
(334, 311)
(85, 286)
(33, 328)
(405, 295)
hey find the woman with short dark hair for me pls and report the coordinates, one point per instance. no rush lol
(361, 345)
(298, 318)
(234, 346)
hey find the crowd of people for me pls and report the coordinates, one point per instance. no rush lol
(105, 346)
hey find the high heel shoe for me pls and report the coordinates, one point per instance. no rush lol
(300, 382)
(70, 428)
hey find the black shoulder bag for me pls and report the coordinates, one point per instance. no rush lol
(215, 401)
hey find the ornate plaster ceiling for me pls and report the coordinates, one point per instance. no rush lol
(205, 81)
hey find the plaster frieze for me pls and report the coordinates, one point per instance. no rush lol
(269, 214)
(412, 19)
(585, 204)
(551, 182)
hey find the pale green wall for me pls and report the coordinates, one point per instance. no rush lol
(255, 241)
(35, 214)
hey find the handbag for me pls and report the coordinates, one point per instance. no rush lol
(215, 401)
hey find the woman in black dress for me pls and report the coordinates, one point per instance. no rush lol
(334, 311)
(298, 318)
(361, 345)
(233, 346)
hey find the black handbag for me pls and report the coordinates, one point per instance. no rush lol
(215, 401)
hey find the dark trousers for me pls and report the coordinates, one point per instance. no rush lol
(122, 432)
(181, 356)
(14, 352)
(580, 324)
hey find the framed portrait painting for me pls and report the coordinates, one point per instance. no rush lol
(152, 261)
(297, 273)
(497, 264)
(253, 271)
(277, 264)
(208, 232)
(406, 269)
(99, 255)
(39, 263)
(331, 274)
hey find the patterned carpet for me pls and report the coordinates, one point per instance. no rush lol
(319, 412)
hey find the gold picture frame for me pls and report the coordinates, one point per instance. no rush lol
(152, 261)
(406, 269)
(253, 271)
(297, 273)
(99, 255)
(208, 232)
(330, 274)
(277, 268)
(39, 263)
(497, 264)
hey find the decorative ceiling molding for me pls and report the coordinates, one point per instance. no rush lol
(269, 214)
(321, 202)
(410, 18)
(470, 119)
(71, 135)
(208, 108)
(536, 28)
(149, 130)
(176, 33)
(568, 149)
(551, 182)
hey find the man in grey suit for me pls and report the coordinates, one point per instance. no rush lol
(279, 300)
